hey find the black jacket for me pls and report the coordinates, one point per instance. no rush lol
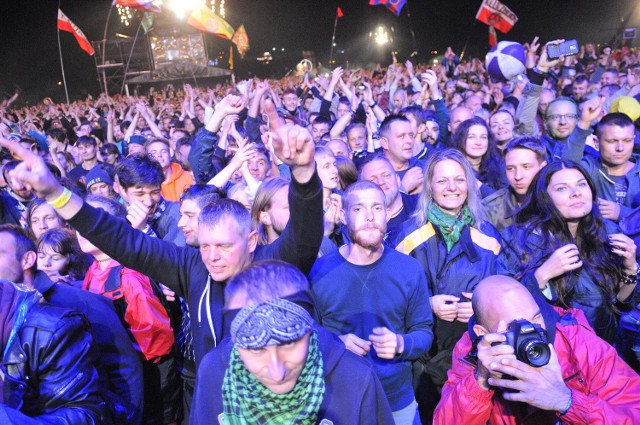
(118, 364)
(49, 372)
(182, 269)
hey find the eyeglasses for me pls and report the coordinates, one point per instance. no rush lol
(558, 117)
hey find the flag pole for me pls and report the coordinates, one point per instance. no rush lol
(64, 79)
(333, 39)
(413, 34)
(104, 48)
(475, 21)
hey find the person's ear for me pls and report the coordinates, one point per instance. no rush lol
(480, 330)
(28, 260)
(253, 241)
(116, 186)
(264, 218)
(384, 143)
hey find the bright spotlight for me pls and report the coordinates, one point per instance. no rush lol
(381, 36)
(182, 8)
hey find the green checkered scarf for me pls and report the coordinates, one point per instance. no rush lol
(246, 401)
(450, 225)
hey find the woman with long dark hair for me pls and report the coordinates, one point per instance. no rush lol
(560, 248)
(478, 146)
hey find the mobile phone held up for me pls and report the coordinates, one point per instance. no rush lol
(568, 48)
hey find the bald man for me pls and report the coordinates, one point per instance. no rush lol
(584, 382)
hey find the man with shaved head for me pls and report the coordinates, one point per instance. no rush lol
(583, 382)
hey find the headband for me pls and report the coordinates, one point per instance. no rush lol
(272, 323)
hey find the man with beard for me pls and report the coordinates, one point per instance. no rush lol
(375, 299)
(14, 200)
(400, 206)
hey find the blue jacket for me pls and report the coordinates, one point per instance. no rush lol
(353, 394)
(585, 295)
(471, 259)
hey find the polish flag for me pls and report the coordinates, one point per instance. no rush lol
(497, 15)
(65, 24)
(143, 5)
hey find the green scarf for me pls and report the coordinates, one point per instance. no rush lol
(246, 401)
(450, 225)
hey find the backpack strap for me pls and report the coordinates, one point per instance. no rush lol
(113, 291)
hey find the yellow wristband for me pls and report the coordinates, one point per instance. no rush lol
(61, 200)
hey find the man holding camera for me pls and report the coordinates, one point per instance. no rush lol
(578, 378)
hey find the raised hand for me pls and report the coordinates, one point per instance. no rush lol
(292, 144)
(544, 63)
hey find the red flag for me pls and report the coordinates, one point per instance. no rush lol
(393, 5)
(65, 24)
(496, 14)
(493, 37)
(144, 5)
(339, 13)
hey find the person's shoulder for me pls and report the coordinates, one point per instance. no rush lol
(497, 197)
(401, 261)
(44, 316)
(217, 357)
(325, 265)
(411, 236)
(417, 162)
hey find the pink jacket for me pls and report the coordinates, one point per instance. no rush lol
(605, 389)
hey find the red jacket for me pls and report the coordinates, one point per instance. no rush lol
(604, 388)
(148, 321)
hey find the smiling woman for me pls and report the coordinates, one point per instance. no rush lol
(562, 249)
(456, 246)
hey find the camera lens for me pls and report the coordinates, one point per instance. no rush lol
(534, 352)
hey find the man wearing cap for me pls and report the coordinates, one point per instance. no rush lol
(100, 183)
(136, 144)
(279, 366)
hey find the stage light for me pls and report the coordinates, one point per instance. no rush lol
(182, 8)
(381, 36)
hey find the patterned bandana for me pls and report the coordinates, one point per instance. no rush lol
(247, 402)
(450, 225)
(271, 323)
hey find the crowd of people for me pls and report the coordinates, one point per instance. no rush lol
(415, 243)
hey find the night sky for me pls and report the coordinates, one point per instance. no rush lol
(30, 57)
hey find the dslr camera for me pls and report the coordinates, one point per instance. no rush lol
(529, 342)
